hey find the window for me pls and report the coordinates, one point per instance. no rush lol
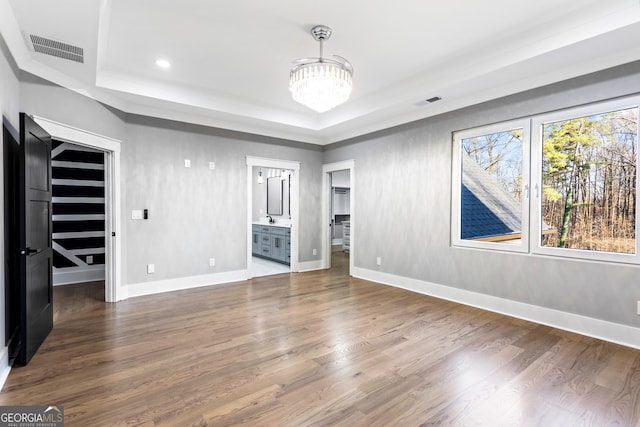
(587, 176)
(584, 173)
(491, 210)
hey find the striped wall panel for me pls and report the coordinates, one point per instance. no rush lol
(78, 213)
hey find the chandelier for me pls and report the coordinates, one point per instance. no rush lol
(321, 83)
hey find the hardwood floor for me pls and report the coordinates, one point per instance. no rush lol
(318, 348)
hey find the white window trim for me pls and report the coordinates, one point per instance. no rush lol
(537, 135)
(456, 174)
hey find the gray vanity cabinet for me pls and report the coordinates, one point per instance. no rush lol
(271, 242)
(255, 239)
(278, 244)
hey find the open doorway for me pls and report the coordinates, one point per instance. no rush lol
(78, 207)
(110, 149)
(338, 212)
(272, 216)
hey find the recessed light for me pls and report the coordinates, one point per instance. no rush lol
(163, 63)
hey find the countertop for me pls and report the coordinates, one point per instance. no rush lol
(275, 224)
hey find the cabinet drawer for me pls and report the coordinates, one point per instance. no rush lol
(256, 227)
(265, 250)
(277, 231)
(266, 239)
(264, 228)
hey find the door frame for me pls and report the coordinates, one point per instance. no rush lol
(327, 169)
(113, 286)
(294, 198)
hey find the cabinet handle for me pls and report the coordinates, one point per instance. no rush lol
(255, 238)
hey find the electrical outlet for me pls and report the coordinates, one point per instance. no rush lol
(212, 165)
(136, 214)
(212, 262)
(89, 259)
(638, 308)
(187, 163)
(315, 252)
(378, 261)
(151, 268)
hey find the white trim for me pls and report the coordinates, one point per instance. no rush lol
(310, 266)
(77, 235)
(77, 182)
(76, 165)
(294, 198)
(71, 147)
(78, 217)
(596, 328)
(88, 200)
(86, 251)
(68, 255)
(77, 275)
(181, 283)
(326, 210)
(114, 288)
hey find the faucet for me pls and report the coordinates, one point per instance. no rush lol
(270, 219)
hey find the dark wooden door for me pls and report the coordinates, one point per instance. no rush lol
(36, 254)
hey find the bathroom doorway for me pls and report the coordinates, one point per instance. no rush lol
(272, 216)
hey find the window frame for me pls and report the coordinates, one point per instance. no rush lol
(456, 203)
(537, 139)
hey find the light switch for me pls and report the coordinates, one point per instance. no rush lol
(136, 214)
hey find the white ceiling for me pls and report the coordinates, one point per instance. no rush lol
(231, 59)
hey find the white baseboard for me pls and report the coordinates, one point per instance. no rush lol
(5, 369)
(68, 276)
(159, 286)
(309, 266)
(601, 329)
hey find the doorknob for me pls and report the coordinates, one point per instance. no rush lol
(28, 251)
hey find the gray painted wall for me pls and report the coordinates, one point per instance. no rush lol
(403, 199)
(194, 213)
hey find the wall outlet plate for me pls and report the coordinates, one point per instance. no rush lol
(151, 268)
(212, 262)
(187, 163)
(212, 165)
(378, 261)
(136, 214)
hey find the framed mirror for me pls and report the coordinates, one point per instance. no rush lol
(274, 196)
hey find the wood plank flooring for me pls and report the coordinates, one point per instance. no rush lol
(317, 349)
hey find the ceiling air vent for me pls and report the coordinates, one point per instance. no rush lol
(58, 49)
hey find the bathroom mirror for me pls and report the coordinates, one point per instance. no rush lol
(274, 196)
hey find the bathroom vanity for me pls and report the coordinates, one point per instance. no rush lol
(271, 242)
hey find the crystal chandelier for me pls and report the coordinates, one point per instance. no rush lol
(321, 83)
